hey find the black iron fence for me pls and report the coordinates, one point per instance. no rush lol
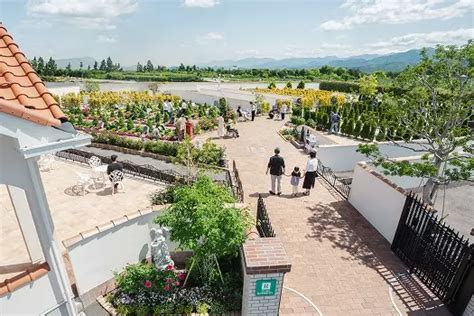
(147, 171)
(239, 191)
(264, 225)
(341, 185)
(432, 250)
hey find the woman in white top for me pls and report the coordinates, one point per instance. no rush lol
(310, 173)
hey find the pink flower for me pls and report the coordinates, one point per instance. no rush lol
(169, 267)
(178, 283)
(167, 287)
(169, 280)
(181, 276)
(148, 284)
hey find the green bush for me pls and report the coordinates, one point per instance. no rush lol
(297, 120)
(357, 129)
(311, 123)
(300, 85)
(340, 86)
(272, 85)
(166, 196)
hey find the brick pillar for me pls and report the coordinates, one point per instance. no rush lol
(265, 263)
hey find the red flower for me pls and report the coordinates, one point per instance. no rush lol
(148, 284)
(181, 276)
(169, 267)
(167, 287)
(169, 280)
(178, 283)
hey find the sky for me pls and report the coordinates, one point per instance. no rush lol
(169, 32)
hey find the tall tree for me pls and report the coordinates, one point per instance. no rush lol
(149, 66)
(68, 69)
(103, 65)
(34, 63)
(40, 67)
(109, 64)
(139, 67)
(81, 64)
(96, 65)
(435, 107)
(50, 68)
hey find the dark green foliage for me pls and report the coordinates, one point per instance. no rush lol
(357, 129)
(340, 86)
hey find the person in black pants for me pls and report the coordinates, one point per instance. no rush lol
(253, 108)
(276, 166)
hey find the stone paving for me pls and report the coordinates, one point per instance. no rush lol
(71, 211)
(339, 261)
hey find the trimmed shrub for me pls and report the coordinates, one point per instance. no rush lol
(340, 86)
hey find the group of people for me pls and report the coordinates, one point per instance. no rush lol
(276, 168)
(274, 112)
(245, 115)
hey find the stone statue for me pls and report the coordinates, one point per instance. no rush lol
(160, 253)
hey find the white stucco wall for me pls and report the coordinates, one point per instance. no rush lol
(345, 157)
(95, 258)
(377, 201)
(31, 299)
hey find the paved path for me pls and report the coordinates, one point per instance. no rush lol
(339, 261)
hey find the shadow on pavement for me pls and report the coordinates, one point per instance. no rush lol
(340, 224)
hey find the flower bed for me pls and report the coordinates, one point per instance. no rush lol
(309, 96)
(202, 220)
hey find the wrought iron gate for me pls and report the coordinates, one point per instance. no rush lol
(432, 250)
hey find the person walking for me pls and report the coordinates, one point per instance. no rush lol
(295, 181)
(276, 167)
(253, 108)
(283, 111)
(334, 123)
(310, 173)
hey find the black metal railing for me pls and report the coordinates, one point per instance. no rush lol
(340, 184)
(239, 191)
(432, 250)
(264, 225)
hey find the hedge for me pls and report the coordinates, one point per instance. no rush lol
(340, 86)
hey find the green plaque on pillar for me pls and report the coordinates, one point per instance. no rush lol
(265, 287)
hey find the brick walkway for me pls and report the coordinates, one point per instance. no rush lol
(339, 261)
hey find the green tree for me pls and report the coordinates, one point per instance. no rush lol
(103, 65)
(109, 64)
(300, 85)
(68, 69)
(40, 67)
(435, 107)
(34, 63)
(368, 86)
(139, 67)
(289, 85)
(50, 68)
(272, 85)
(81, 64)
(96, 65)
(149, 66)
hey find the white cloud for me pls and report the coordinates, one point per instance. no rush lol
(213, 36)
(417, 40)
(397, 12)
(92, 14)
(335, 46)
(106, 39)
(200, 3)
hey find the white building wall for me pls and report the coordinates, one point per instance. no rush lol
(345, 157)
(32, 299)
(379, 202)
(96, 258)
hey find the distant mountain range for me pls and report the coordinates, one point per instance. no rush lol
(366, 63)
(76, 62)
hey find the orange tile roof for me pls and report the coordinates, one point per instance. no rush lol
(22, 93)
(32, 274)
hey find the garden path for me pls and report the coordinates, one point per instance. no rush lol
(339, 261)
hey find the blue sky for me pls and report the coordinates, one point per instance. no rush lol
(197, 31)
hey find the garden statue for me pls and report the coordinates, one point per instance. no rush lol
(159, 249)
